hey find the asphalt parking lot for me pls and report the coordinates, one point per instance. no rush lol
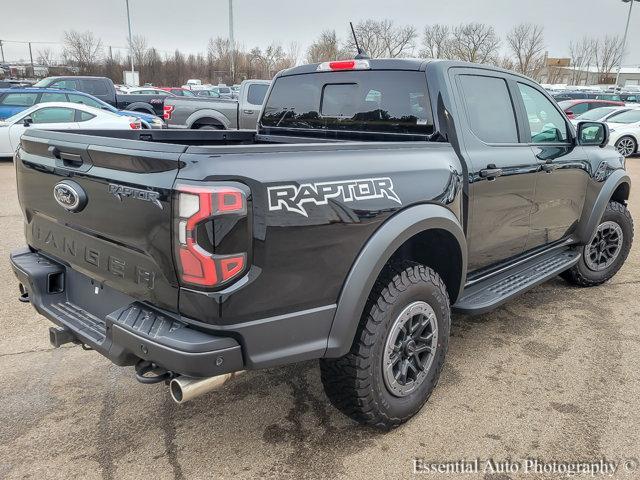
(553, 375)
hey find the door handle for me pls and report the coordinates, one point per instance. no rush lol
(491, 172)
(248, 112)
(549, 167)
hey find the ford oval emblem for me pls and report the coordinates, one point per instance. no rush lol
(70, 195)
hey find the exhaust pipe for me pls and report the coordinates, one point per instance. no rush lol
(184, 389)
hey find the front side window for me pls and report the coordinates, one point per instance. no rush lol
(19, 99)
(66, 84)
(546, 123)
(53, 115)
(372, 101)
(489, 108)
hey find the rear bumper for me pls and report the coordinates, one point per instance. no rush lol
(119, 327)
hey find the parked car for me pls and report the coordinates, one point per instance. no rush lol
(218, 114)
(58, 116)
(375, 197)
(103, 89)
(15, 100)
(600, 114)
(578, 107)
(14, 83)
(624, 130)
(178, 91)
(150, 91)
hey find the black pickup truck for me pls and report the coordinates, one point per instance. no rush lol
(375, 198)
(104, 89)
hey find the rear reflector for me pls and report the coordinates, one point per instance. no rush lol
(343, 65)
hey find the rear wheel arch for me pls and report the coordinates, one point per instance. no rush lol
(207, 122)
(401, 238)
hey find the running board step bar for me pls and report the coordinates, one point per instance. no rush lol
(493, 291)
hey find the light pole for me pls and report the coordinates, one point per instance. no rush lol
(232, 43)
(624, 39)
(130, 41)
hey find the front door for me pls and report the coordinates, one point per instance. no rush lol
(564, 168)
(502, 169)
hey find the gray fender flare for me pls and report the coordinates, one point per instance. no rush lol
(372, 258)
(591, 217)
(208, 113)
(141, 106)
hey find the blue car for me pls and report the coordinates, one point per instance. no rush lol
(14, 100)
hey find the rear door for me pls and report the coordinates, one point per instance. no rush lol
(502, 170)
(119, 234)
(251, 103)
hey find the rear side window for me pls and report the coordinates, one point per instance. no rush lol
(75, 98)
(53, 97)
(84, 116)
(256, 93)
(357, 101)
(19, 99)
(489, 108)
(95, 87)
(66, 84)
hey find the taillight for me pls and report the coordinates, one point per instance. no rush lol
(135, 125)
(196, 206)
(167, 110)
(343, 65)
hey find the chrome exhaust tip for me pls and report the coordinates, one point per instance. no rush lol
(183, 389)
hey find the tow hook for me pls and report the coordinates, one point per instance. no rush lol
(24, 294)
(159, 374)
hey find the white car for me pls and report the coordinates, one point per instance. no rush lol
(149, 91)
(625, 132)
(601, 114)
(59, 116)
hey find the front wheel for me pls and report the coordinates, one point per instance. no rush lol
(626, 146)
(607, 251)
(398, 351)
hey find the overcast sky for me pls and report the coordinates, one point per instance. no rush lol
(187, 25)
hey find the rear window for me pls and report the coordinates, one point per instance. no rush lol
(359, 101)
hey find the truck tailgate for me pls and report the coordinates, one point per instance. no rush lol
(103, 206)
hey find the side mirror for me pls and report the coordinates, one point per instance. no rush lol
(593, 133)
(27, 121)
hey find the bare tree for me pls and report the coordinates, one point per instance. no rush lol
(45, 57)
(582, 54)
(475, 42)
(382, 38)
(436, 41)
(607, 54)
(82, 49)
(526, 43)
(325, 48)
(139, 48)
(292, 54)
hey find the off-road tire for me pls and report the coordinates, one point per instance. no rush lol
(580, 274)
(354, 383)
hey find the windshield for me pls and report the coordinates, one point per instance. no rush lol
(359, 101)
(596, 113)
(632, 116)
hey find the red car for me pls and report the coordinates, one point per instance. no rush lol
(573, 108)
(181, 92)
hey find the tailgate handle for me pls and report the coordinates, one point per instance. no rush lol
(68, 159)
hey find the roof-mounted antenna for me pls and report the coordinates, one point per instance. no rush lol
(362, 55)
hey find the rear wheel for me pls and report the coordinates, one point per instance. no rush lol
(626, 146)
(607, 251)
(398, 351)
